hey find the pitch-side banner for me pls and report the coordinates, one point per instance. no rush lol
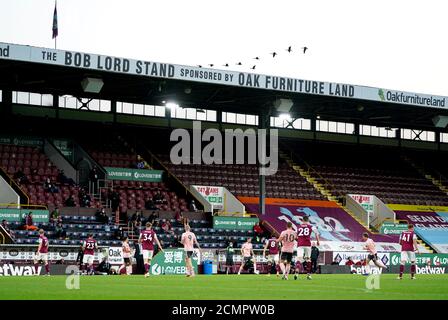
(213, 76)
(342, 257)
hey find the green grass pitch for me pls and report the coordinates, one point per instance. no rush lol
(230, 287)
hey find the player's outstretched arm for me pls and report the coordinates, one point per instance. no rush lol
(317, 239)
(416, 246)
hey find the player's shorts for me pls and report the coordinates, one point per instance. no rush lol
(274, 258)
(147, 254)
(304, 252)
(189, 254)
(287, 256)
(127, 260)
(229, 262)
(88, 259)
(41, 256)
(408, 256)
(372, 257)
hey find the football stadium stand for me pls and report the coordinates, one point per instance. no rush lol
(368, 170)
(32, 168)
(127, 126)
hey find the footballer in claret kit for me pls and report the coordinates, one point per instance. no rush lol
(147, 239)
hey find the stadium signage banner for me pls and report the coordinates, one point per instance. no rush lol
(18, 215)
(172, 261)
(422, 259)
(234, 223)
(366, 201)
(393, 228)
(364, 270)
(213, 195)
(213, 76)
(22, 141)
(14, 270)
(419, 208)
(430, 220)
(26, 252)
(114, 255)
(342, 256)
(134, 174)
(64, 146)
(419, 270)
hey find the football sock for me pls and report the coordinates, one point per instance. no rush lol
(146, 267)
(402, 270)
(282, 267)
(36, 267)
(308, 267)
(288, 267)
(47, 268)
(412, 270)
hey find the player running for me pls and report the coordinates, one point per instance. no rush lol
(287, 239)
(372, 256)
(247, 251)
(89, 246)
(146, 239)
(408, 241)
(273, 259)
(304, 232)
(126, 257)
(42, 253)
(188, 239)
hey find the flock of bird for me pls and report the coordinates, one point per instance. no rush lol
(272, 54)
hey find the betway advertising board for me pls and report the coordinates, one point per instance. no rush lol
(172, 261)
(27, 270)
(234, 223)
(213, 195)
(134, 174)
(395, 269)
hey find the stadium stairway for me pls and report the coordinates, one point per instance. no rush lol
(305, 173)
(422, 171)
(324, 189)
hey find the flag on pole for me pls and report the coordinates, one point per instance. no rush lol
(55, 22)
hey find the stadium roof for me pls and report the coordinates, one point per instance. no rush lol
(44, 70)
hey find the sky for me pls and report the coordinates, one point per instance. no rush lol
(396, 44)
